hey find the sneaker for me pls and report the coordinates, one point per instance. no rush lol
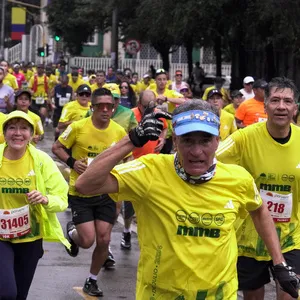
(73, 251)
(110, 261)
(91, 288)
(126, 240)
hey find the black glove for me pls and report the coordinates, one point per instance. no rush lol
(288, 280)
(150, 127)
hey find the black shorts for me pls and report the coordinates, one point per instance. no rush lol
(93, 208)
(127, 210)
(254, 274)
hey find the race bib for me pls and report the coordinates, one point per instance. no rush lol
(39, 100)
(14, 222)
(280, 206)
(63, 101)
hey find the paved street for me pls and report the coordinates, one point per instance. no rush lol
(61, 277)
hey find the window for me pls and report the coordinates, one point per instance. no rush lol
(93, 39)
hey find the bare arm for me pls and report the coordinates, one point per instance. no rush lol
(265, 227)
(60, 151)
(97, 178)
(63, 125)
(239, 123)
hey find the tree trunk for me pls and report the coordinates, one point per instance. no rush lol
(218, 54)
(163, 50)
(189, 50)
(270, 62)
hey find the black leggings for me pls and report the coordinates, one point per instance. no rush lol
(17, 267)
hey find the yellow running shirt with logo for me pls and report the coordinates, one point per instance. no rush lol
(73, 111)
(18, 179)
(186, 233)
(227, 124)
(275, 168)
(87, 142)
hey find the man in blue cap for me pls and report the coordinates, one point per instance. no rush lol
(186, 205)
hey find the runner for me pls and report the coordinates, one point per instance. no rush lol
(94, 215)
(75, 110)
(19, 76)
(269, 151)
(178, 84)
(169, 99)
(252, 110)
(6, 94)
(237, 98)
(62, 94)
(33, 191)
(100, 80)
(9, 79)
(247, 91)
(227, 122)
(186, 206)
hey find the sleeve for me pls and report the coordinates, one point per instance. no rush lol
(233, 126)
(65, 114)
(134, 180)
(230, 150)
(165, 123)
(12, 97)
(240, 112)
(68, 137)
(30, 83)
(133, 122)
(250, 199)
(14, 83)
(39, 127)
(56, 186)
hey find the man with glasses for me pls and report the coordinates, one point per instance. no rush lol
(75, 110)
(247, 91)
(178, 84)
(252, 110)
(93, 215)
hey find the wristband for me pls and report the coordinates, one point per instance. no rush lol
(70, 162)
(166, 99)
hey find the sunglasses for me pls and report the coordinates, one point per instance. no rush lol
(179, 75)
(124, 87)
(84, 94)
(101, 106)
(249, 83)
(184, 91)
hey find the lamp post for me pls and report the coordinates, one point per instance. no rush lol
(2, 28)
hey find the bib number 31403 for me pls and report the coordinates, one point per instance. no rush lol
(14, 222)
(279, 206)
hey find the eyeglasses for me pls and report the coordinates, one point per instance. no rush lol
(184, 91)
(160, 71)
(124, 87)
(178, 75)
(84, 94)
(101, 106)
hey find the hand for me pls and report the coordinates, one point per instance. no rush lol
(160, 99)
(6, 98)
(35, 197)
(160, 144)
(287, 279)
(80, 165)
(150, 127)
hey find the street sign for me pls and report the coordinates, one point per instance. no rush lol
(132, 46)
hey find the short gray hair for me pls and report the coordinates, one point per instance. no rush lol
(195, 104)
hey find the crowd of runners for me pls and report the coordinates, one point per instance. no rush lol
(211, 176)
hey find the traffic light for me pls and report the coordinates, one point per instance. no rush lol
(41, 52)
(57, 38)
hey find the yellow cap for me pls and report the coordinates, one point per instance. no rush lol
(18, 114)
(114, 89)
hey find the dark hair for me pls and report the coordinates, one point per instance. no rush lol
(101, 92)
(90, 72)
(100, 72)
(131, 94)
(134, 73)
(195, 104)
(281, 83)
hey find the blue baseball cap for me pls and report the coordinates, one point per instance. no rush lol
(196, 120)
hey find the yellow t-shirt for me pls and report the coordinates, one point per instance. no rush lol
(27, 75)
(11, 81)
(40, 92)
(141, 86)
(171, 106)
(87, 142)
(76, 84)
(73, 111)
(230, 108)
(275, 168)
(227, 124)
(38, 126)
(18, 179)
(185, 229)
(52, 81)
(95, 86)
